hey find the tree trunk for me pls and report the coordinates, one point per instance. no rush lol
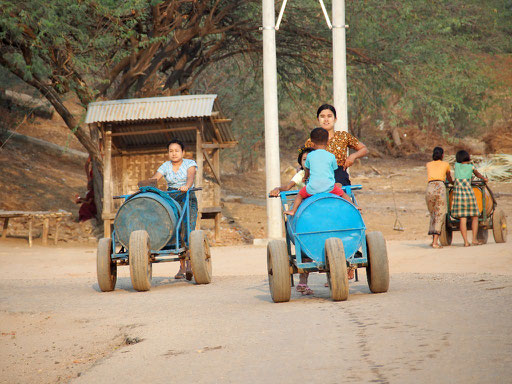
(97, 181)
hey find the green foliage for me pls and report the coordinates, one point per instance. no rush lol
(422, 60)
(414, 62)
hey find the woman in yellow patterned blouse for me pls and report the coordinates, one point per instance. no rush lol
(338, 144)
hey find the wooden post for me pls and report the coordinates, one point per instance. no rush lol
(46, 227)
(30, 222)
(199, 173)
(272, 164)
(107, 182)
(4, 231)
(216, 192)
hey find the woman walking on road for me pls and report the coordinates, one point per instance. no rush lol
(437, 172)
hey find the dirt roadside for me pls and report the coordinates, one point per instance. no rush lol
(447, 314)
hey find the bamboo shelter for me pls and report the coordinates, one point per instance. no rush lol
(134, 134)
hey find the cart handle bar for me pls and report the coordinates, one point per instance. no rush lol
(169, 192)
(346, 188)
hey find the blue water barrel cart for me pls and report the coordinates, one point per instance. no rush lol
(151, 227)
(328, 235)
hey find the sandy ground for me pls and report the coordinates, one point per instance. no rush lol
(446, 318)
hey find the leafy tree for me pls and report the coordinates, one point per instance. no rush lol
(106, 48)
(424, 60)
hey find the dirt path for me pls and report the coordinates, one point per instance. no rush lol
(447, 315)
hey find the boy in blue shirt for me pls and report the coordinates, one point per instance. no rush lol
(319, 167)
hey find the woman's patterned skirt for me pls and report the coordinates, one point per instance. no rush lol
(436, 204)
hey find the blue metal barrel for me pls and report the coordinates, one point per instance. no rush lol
(322, 216)
(150, 211)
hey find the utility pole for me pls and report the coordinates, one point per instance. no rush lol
(272, 164)
(339, 64)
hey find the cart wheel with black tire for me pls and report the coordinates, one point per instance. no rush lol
(141, 270)
(106, 269)
(377, 271)
(278, 268)
(200, 257)
(499, 226)
(482, 235)
(337, 274)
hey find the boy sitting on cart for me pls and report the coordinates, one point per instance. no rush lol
(319, 171)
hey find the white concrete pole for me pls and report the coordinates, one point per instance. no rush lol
(339, 64)
(272, 166)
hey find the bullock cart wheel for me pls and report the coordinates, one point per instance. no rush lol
(482, 235)
(278, 268)
(200, 257)
(337, 274)
(141, 270)
(377, 271)
(106, 269)
(499, 226)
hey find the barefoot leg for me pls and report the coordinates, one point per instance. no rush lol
(464, 230)
(474, 229)
(296, 203)
(435, 240)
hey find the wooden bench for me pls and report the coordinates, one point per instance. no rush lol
(213, 213)
(45, 216)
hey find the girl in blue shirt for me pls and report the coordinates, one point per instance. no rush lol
(180, 174)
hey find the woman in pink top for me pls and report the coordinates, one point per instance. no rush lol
(438, 171)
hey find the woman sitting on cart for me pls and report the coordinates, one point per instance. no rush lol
(180, 174)
(338, 143)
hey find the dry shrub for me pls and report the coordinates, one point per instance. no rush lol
(414, 141)
(499, 139)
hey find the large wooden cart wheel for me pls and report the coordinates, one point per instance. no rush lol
(278, 268)
(482, 235)
(337, 274)
(377, 271)
(200, 257)
(106, 269)
(499, 226)
(141, 270)
(446, 234)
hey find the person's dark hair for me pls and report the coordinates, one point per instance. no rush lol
(438, 153)
(319, 136)
(325, 106)
(462, 156)
(302, 151)
(174, 140)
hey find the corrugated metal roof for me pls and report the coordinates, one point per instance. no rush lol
(170, 107)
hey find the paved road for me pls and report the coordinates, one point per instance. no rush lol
(446, 318)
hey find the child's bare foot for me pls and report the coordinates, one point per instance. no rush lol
(467, 244)
(304, 289)
(289, 213)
